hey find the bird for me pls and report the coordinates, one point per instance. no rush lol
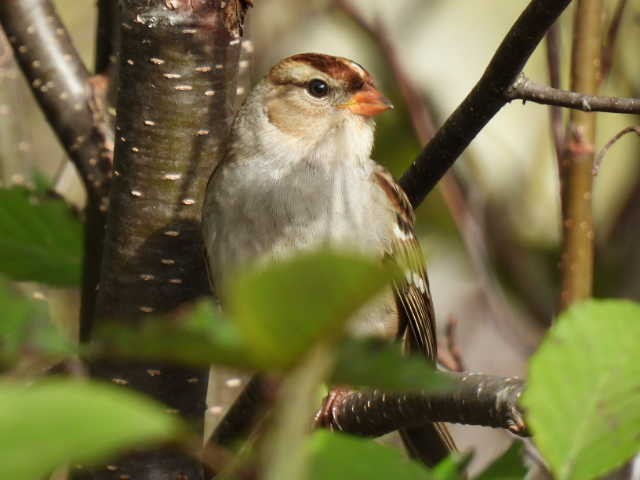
(297, 175)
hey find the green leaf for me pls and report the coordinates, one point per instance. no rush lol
(509, 466)
(336, 456)
(17, 311)
(40, 239)
(283, 308)
(42, 185)
(452, 467)
(376, 364)
(25, 327)
(198, 337)
(583, 398)
(55, 421)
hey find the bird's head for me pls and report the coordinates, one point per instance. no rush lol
(312, 104)
(310, 93)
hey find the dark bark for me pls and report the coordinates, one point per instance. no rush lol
(474, 400)
(107, 36)
(178, 67)
(484, 101)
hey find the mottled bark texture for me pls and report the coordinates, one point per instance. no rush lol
(177, 73)
(475, 399)
(484, 101)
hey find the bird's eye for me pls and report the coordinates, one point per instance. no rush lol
(318, 88)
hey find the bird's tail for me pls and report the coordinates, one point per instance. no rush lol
(429, 444)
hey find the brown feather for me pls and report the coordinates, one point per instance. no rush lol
(416, 317)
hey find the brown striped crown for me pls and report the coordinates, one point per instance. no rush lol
(298, 69)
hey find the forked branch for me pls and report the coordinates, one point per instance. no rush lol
(61, 84)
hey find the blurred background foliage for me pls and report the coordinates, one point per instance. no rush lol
(509, 173)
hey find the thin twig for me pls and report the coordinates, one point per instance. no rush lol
(484, 101)
(554, 49)
(528, 90)
(609, 49)
(597, 162)
(421, 117)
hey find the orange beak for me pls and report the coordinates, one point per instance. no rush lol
(368, 102)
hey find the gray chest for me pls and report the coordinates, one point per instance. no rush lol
(251, 217)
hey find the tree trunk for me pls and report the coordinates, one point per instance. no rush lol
(177, 79)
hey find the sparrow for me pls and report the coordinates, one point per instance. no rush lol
(297, 175)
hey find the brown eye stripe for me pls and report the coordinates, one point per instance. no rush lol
(352, 75)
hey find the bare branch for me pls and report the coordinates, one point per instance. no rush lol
(484, 101)
(554, 49)
(474, 400)
(528, 90)
(609, 49)
(597, 162)
(420, 116)
(60, 83)
(576, 181)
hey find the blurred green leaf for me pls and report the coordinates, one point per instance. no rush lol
(377, 364)
(42, 185)
(48, 423)
(198, 336)
(283, 308)
(25, 327)
(583, 398)
(337, 456)
(452, 467)
(40, 239)
(509, 466)
(17, 311)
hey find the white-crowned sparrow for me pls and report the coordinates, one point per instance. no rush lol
(297, 175)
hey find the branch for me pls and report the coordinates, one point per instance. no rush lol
(484, 101)
(107, 35)
(474, 400)
(597, 162)
(576, 180)
(528, 90)
(609, 48)
(72, 103)
(553, 51)
(60, 84)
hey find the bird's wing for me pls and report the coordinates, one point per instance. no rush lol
(430, 443)
(412, 294)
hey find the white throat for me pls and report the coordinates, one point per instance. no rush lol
(345, 138)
